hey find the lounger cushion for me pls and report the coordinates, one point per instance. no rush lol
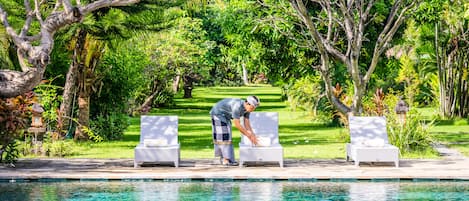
(157, 142)
(262, 141)
(374, 143)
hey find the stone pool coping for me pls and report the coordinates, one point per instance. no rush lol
(208, 169)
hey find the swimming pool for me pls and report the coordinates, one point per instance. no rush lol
(249, 190)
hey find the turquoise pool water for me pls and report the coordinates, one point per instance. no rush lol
(234, 190)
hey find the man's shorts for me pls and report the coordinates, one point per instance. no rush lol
(222, 139)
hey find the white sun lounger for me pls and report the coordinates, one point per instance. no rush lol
(369, 141)
(265, 126)
(158, 140)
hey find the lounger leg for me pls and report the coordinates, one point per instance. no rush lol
(176, 163)
(357, 163)
(281, 164)
(396, 163)
(241, 163)
(135, 164)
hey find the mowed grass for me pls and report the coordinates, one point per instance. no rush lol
(300, 138)
(454, 135)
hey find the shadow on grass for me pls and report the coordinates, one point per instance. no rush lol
(451, 122)
(195, 131)
(452, 137)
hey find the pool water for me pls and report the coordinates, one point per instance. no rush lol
(234, 190)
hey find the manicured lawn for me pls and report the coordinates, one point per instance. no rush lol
(454, 136)
(299, 136)
(452, 133)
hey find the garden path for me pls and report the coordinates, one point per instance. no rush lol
(447, 152)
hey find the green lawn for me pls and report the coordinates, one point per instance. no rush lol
(299, 136)
(452, 133)
(454, 136)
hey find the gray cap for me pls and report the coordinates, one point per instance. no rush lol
(253, 100)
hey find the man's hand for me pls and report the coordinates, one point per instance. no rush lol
(252, 138)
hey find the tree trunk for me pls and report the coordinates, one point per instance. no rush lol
(68, 99)
(357, 99)
(146, 106)
(245, 74)
(351, 19)
(88, 60)
(188, 86)
(71, 81)
(176, 83)
(83, 116)
(158, 86)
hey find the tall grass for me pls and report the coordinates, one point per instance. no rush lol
(410, 133)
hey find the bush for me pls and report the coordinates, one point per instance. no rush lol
(304, 94)
(11, 152)
(59, 148)
(110, 127)
(50, 101)
(14, 118)
(164, 99)
(409, 133)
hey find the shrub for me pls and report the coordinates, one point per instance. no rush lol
(304, 94)
(50, 101)
(409, 134)
(260, 78)
(59, 148)
(12, 152)
(164, 98)
(14, 118)
(110, 127)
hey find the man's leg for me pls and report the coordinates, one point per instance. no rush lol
(222, 140)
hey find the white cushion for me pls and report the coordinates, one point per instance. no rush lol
(158, 142)
(374, 143)
(261, 141)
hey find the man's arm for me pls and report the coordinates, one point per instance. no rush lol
(247, 125)
(246, 131)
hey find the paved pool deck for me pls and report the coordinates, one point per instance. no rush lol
(203, 169)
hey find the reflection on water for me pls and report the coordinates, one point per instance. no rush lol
(241, 190)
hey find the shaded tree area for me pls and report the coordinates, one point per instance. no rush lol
(353, 34)
(438, 42)
(86, 84)
(34, 46)
(451, 47)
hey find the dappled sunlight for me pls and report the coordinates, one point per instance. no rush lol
(298, 134)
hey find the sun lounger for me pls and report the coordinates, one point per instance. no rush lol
(265, 126)
(158, 140)
(369, 141)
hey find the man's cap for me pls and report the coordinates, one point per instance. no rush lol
(253, 100)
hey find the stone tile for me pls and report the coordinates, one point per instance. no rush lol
(200, 169)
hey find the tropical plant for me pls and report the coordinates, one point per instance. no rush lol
(34, 46)
(108, 127)
(14, 118)
(445, 26)
(410, 135)
(305, 94)
(49, 99)
(346, 34)
(59, 148)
